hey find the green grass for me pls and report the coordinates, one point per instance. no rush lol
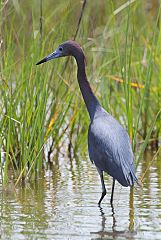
(41, 108)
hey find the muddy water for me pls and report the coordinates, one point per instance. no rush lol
(62, 204)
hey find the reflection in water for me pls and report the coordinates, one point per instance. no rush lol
(104, 219)
(114, 233)
(62, 204)
(131, 210)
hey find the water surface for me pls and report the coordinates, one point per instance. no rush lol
(62, 204)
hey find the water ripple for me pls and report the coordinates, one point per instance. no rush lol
(63, 205)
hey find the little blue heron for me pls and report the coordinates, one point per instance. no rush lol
(108, 143)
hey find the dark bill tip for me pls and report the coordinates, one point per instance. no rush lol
(42, 61)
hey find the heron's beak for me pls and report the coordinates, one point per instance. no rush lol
(53, 55)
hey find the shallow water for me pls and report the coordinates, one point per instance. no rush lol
(62, 204)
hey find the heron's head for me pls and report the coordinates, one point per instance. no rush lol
(68, 48)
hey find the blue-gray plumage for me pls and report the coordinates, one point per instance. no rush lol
(108, 143)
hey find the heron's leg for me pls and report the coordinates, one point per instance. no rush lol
(113, 186)
(103, 186)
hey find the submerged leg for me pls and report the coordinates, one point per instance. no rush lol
(103, 186)
(113, 186)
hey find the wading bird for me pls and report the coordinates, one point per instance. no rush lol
(108, 143)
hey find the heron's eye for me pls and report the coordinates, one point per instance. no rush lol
(60, 49)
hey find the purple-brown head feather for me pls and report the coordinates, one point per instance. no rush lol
(68, 48)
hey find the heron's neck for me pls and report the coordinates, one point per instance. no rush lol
(90, 99)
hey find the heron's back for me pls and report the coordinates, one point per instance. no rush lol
(110, 148)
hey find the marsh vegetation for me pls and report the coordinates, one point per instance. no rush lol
(42, 113)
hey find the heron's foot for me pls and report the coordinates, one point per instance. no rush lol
(102, 196)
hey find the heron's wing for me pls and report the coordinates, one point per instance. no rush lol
(110, 149)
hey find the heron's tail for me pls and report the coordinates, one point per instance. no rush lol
(139, 183)
(131, 179)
